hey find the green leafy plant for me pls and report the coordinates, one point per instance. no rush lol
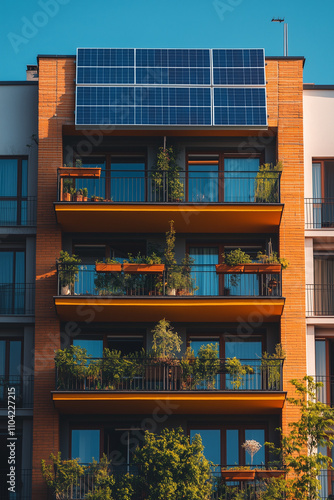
(300, 446)
(272, 258)
(71, 364)
(187, 368)
(60, 475)
(237, 371)
(172, 468)
(96, 198)
(166, 342)
(84, 192)
(68, 268)
(106, 485)
(234, 258)
(165, 175)
(266, 183)
(109, 283)
(206, 365)
(271, 367)
(116, 368)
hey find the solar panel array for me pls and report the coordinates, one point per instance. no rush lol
(178, 87)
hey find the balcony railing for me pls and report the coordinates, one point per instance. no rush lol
(319, 213)
(192, 187)
(23, 386)
(153, 374)
(195, 280)
(18, 211)
(17, 298)
(320, 300)
(22, 485)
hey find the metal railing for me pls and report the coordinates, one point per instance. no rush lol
(133, 186)
(320, 300)
(325, 394)
(18, 211)
(17, 298)
(319, 213)
(195, 280)
(23, 386)
(153, 374)
(22, 485)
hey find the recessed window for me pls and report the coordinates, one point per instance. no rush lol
(85, 445)
(13, 191)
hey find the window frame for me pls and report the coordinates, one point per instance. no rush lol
(19, 198)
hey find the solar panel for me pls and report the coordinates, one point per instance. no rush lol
(172, 87)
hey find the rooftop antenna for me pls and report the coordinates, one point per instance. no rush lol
(285, 34)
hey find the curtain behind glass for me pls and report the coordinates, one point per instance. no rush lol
(204, 270)
(6, 282)
(203, 183)
(249, 353)
(316, 193)
(321, 369)
(8, 188)
(239, 179)
(324, 285)
(86, 445)
(328, 205)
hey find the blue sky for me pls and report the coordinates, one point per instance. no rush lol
(31, 27)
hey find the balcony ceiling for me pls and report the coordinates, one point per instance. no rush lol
(232, 402)
(154, 218)
(199, 309)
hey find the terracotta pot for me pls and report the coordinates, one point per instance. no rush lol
(65, 290)
(67, 197)
(101, 267)
(84, 198)
(79, 172)
(262, 268)
(77, 197)
(143, 268)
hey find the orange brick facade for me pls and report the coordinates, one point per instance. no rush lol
(56, 109)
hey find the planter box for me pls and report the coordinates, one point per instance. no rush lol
(238, 475)
(224, 268)
(143, 268)
(265, 474)
(263, 268)
(108, 268)
(67, 197)
(249, 268)
(79, 172)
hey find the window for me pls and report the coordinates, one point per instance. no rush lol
(323, 193)
(324, 368)
(323, 284)
(85, 445)
(218, 177)
(13, 191)
(12, 282)
(10, 368)
(223, 444)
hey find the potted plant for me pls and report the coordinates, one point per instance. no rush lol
(267, 183)
(272, 262)
(96, 198)
(109, 266)
(118, 371)
(165, 175)
(206, 366)
(77, 170)
(108, 282)
(237, 372)
(66, 194)
(84, 194)
(271, 368)
(241, 473)
(68, 269)
(233, 262)
(72, 367)
(143, 264)
(77, 196)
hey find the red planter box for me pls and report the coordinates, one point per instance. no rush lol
(108, 268)
(143, 268)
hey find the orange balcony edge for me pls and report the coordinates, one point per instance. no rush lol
(154, 218)
(169, 402)
(195, 309)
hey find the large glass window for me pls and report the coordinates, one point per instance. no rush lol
(250, 353)
(127, 179)
(323, 193)
(10, 368)
(203, 178)
(204, 270)
(85, 445)
(12, 282)
(239, 179)
(211, 439)
(13, 191)
(95, 187)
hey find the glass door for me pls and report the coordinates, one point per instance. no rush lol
(204, 269)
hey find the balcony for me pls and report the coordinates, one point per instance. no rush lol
(175, 294)
(140, 382)
(23, 386)
(18, 212)
(319, 213)
(128, 201)
(17, 299)
(320, 300)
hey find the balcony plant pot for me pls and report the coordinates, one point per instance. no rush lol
(101, 267)
(143, 268)
(262, 268)
(84, 198)
(238, 475)
(77, 197)
(268, 473)
(67, 197)
(65, 290)
(94, 172)
(171, 291)
(225, 268)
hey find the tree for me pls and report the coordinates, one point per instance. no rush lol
(165, 341)
(172, 468)
(299, 451)
(61, 474)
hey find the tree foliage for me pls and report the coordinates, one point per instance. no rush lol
(61, 474)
